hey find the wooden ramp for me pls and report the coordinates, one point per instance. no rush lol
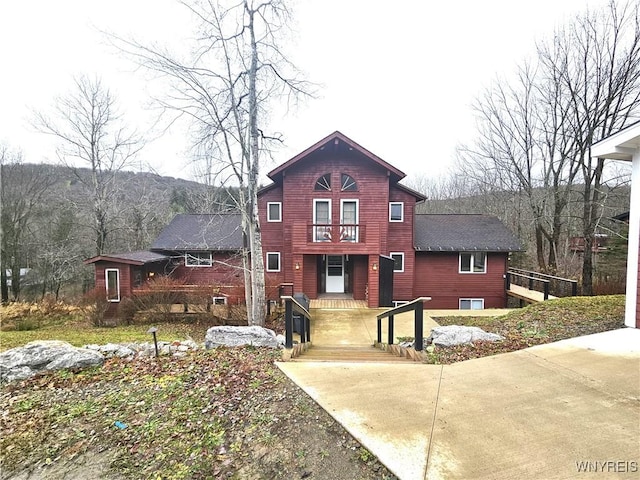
(529, 296)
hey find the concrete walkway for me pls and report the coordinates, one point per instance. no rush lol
(536, 413)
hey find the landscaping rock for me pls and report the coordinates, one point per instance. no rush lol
(237, 336)
(24, 362)
(451, 335)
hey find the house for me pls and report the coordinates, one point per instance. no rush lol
(335, 221)
(625, 146)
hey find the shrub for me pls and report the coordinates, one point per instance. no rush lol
(94, 306)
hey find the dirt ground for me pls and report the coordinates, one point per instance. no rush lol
(227, 414)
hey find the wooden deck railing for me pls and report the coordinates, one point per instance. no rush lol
(558, 286)
(417, 306)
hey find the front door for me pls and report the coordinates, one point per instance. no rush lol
(335, 274)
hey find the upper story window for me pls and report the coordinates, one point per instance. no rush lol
(348, 184)
(473, 262)
(274, 212)
(396, 211)
(273, 261)
(198, 259)
(398, 261)
(323, 183)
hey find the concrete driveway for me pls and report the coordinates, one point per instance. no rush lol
(569, 409)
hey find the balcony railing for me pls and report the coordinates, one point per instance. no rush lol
(336, 233)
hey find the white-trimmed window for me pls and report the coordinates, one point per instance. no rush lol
(473, 262)
(273, 261)
(274, 212)
(112, 283)
(218, 300)
(322, 220)
(396, 211)
(471, 303)
(198, 259)
(398, 261)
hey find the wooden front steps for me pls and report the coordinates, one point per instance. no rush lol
(349, 353)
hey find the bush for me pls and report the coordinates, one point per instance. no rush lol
(94, 306)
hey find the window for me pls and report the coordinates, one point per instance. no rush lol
(396, 211)
(273, 261)
(348, 220)
(274, 212)
(348, 183)
(322, 220)
(398, 261)
(198, 259)
(472, 304)
(475, 262)
(323, 183)
(112, 280)
(219, 300)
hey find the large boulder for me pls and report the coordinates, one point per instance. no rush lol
(237, 336)
(35, 357)
(451, 335)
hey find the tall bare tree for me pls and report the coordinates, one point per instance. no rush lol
(93, 136)
(535, 132)
(227, 89)
(598, 57)
(22, 187)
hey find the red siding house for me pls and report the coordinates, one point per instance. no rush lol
(335, 221)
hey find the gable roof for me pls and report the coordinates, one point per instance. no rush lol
(142, 257)
(338, 140)
(203, 232)
(462, 233)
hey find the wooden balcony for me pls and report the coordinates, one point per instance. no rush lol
(336, 233)
(336, 238)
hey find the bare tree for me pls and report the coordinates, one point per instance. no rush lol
(227, 89)
(598, 56)
(22, 187)
(92, 136)
(535, 132)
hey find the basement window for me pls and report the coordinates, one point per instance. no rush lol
(472, 304)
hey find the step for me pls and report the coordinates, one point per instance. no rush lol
(347, 353)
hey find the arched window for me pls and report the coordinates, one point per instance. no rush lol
(348, 183)
(323, 183)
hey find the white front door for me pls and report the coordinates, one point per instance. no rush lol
(335, 274)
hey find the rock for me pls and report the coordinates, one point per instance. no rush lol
(281, 339)
(451, 335)
(113, 350)
(23, 362)
(237, 336)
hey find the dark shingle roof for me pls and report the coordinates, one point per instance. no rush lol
(136, 258)
(201, 232)
(460, 233)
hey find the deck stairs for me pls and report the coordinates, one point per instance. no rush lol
(343, 330)
(349, 353)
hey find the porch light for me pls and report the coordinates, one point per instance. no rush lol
(297, 265)
(375, 266)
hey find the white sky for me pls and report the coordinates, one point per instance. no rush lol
(397, 76)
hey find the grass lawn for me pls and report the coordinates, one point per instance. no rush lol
(539, 323)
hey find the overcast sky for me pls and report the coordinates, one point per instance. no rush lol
(397, 76)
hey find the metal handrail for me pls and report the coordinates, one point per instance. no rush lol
(417, 306)
(292, 306)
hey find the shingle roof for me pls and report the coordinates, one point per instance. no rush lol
(201, 232)
(136, 258)
(460, 233)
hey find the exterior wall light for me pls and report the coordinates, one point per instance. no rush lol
(297, 265)
(375, 266)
